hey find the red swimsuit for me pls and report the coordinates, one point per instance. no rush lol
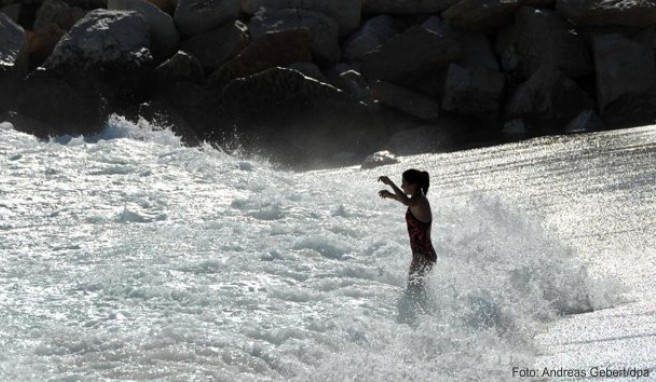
(420, 240)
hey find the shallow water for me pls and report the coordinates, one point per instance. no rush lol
(126, 256)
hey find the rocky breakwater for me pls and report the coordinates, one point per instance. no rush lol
(314, 82)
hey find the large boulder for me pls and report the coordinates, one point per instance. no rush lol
(164, 35)
(346, 13)
(626, 75)
(42, 42)
(105, 55)
(631, 13)
(194, 17)
(405, 100)
(406, 6)
(373, 33)
(57, 12)
(481, 15)
(102, 40)
(548, 99)
(474, 91)
(324, 31)
(297, 120)
(543, 37)
(216, 47)
(410, 55)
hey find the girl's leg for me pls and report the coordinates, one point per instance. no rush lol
(416, 292)
(419, 267)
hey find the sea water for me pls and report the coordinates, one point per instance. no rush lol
(127, 256)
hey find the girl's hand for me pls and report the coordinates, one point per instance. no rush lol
(385, 194)
(385, 180)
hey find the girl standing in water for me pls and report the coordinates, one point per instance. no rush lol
(418, 217)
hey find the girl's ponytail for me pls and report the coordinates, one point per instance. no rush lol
(425, 181)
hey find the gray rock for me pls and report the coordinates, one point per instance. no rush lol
(298, 121)
(475, 91)
(631, 13)
(378, 159)
(14, 57)
(406, 6)
(624, 70)
(481, 15)
(117, 39)
(309, 70)
(411, 54)
(345, 13)
(477, 51)
(58, 12)
(193, 17)
(405, 100)
(165, 38)
(216, 47)
(373, 33)
(586, 121)
(548, 97)
(180, 68)
(324, 31)
(545, 38)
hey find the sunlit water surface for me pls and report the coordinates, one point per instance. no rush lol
(126, 256)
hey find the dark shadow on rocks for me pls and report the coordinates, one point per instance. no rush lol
(300, 122)
(62, 105)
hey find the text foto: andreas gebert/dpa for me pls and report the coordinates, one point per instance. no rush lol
(594, 372)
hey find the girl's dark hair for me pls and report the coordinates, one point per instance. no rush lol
(420, 178)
